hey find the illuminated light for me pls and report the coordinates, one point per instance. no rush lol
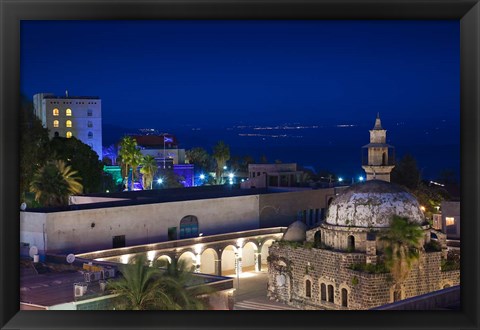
(151, 255)
(449, 221)
(200, 235)
(231, 182)
(422, 208)
(224, 167)
(360, 178)
(107, 191)
(239, 242)
(202, 176)
(160, 181)
(242, 180)
(198, 248)
(231, 175)
(125, 259)
(340, 179)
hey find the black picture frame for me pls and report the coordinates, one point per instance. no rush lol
(13, 11)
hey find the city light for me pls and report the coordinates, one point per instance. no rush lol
(225, 167)
(160, 181)
(340, 179)
(202, 176)
(231, 176)
(360, 178)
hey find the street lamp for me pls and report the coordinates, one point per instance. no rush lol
(202, 176)
(160, 181)
(360, 178)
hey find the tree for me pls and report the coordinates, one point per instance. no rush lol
(82, 159)
(406, 173)
(130, 156)
(199, 157)
(34, 146)
(221, 153)
(149, 168)
(403, 240)
(54, 182)
(141, 288)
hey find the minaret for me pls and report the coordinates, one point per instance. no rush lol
(379, 160)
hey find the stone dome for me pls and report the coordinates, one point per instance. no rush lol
(372, 204)
(296, 232)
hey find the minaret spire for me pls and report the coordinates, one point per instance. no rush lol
(378, 122)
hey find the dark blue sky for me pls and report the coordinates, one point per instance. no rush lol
(175, 75)
(166, 73)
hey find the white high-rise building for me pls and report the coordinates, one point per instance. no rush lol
(67, 116)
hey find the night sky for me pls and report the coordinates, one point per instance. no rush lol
(167, 74)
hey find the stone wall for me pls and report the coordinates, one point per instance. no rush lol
(365, 290)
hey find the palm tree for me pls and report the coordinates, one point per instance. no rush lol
(130, 156)
(141, 288)
(54, 182)
(187, 290)
(221, 153)
(403, 241)
(149, 168)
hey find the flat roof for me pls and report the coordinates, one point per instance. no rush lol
(141, 197)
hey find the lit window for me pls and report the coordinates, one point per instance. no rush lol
(55, 123)
(68, 123)
(90, 135)
(56, 112)
(450, 221)
(68, 112)
(69, 135)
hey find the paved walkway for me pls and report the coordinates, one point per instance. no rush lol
(251, 293)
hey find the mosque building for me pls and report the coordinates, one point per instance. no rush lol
(340, 264)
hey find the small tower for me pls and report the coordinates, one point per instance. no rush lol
(378, 158)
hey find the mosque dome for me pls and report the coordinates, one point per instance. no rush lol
(296, 232)
(373, 204)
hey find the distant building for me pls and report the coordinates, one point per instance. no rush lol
(451, 219)
(67, 116)
(378, 158)
(272, 175)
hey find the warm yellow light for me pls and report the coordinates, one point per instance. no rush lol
(68, 112)
(449, 221)
(68, 123)
(422, 208)
(69, 135)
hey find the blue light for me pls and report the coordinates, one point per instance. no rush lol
(231, 176)
(160, 181)
(340, 179)
(360, 178)
(202, 176)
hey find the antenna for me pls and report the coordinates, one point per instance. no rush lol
(66, 93)
(70, 258)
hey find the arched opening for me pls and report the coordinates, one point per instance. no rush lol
(433, 235)
(68, 123)
(189, 227)
(68, 112)
(248, 257)
(344, 297)
(317, 239)
(56, 112)
(56, 134)
(188, 260)
(56, 123)
(384, 159)
(207, 261)
(330, 293)
(323, 292)
(228, 260)
(68, 135)
(351, 243)
(264, 252)
(164, 260)
(329, 201)
(308, 289)
(397, 295)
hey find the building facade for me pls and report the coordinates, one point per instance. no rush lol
(337, 265)
(67, 116)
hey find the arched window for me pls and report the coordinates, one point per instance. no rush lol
(317, 239)
(323, 292)
(344, 297)
(330, 293)
(189, 227)
(68, 112)
(55, 123)
(68, 123)
(308, 289)
(56, 134)
(56, 112)
(351, 243)
(69, 135)
(90, 135)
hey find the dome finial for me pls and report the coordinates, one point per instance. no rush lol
(378, 123)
